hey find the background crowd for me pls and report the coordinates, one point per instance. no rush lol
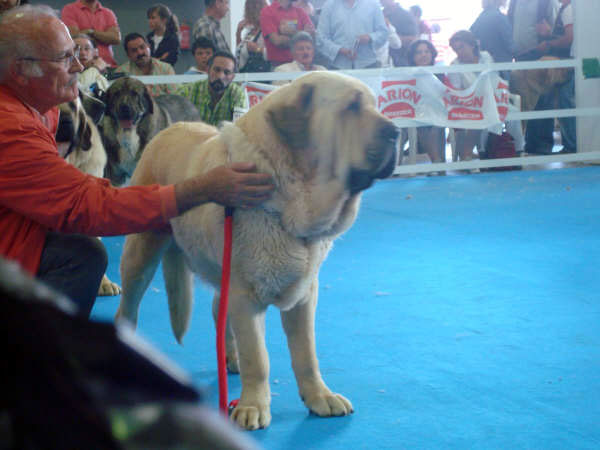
(288, 35)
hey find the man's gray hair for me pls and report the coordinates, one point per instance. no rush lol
(301, 36)
(20, 31)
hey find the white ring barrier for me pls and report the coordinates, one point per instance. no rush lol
(404, 72)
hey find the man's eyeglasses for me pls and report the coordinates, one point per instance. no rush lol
(66, 60)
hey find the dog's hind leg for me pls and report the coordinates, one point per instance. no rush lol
(299, 326)
(141, 254)
(179, 282)
(233, 365)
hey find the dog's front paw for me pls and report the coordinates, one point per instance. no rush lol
(251, 417)
(108, 288)
(329, 404)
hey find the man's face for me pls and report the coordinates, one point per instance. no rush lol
(202, 55)
(87, 52)
(464, 52)
(222, 7)
(303, 52)
(138, 52)
(58, 84)
(5, 5)
(220, 74)
(423, 56)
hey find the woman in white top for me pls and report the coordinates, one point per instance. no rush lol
(466, 47)
(91, 79)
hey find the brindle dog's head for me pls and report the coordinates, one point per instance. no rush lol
(127, 102)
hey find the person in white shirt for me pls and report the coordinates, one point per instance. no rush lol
(303, 53)
(91, 79)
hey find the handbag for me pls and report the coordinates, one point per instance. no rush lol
(500, 146)
(256, 62)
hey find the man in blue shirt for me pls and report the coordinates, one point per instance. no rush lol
(494, 32)
(350, 31)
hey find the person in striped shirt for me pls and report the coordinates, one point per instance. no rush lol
(216, 97)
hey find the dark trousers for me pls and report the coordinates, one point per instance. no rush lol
(74, 264)
(539, 137)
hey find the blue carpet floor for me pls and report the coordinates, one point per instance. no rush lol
(458, 312)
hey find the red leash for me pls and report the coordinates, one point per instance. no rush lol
(222, 317)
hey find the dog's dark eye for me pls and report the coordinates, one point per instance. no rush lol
(354, 106)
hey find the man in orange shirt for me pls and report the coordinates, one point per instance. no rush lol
(44, 201)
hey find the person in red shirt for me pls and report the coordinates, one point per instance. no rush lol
(49, 210)
(99, 23)
(279, 22)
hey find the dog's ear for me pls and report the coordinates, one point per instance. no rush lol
(94, 107)
(85, 132)
(290, 120)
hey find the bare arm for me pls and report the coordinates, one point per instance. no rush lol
(112, 36)
(280, 40)
(563, 41)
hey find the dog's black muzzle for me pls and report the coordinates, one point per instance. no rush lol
(126, 112)
(382, 159)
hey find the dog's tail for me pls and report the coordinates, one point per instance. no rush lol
(179, 282)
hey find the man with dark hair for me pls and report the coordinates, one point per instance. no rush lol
(406, 27)
(209, 25)
(99, 23)
(141, 63)
(216, 97)
(49, 210)
(424, 29)
(5, 5)
(202, 49)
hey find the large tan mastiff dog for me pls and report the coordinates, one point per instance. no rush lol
(324, 142)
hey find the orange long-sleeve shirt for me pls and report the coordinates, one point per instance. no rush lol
(39, 191)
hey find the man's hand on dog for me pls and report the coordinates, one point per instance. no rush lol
(237, 185)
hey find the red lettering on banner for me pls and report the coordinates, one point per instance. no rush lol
(502, 98)
(255, 95)
(464, 114)
(397, 99)
(470, 101)
(411, 82)
(399, 109)
(502, 112)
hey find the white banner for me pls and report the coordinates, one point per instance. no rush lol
(255, 92)
(422, 99)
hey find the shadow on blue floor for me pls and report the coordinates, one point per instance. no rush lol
(459, 312)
